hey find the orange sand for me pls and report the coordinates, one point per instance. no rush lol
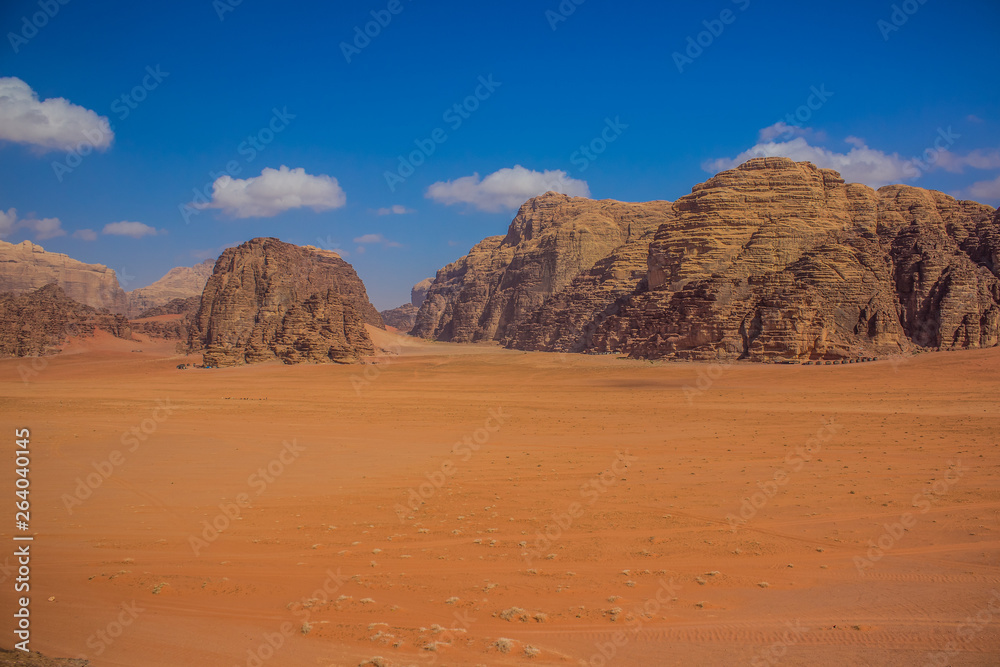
(650, 539)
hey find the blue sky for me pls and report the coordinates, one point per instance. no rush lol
(888, 84)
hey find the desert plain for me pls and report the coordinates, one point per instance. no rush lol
(469, 505)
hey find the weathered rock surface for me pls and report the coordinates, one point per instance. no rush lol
(271, 300)
(25, 267)
(181, 282)
(419, 292)
(35, 323)
(777, 259)
(401, 318)
(771, 260)
(405, 316)
(504, 279)
(33, 659)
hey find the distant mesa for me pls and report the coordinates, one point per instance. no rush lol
(269, 300)
(403, 317)
(773, 260)
(26, 267)
(36, 323)
(419, 292)
(181, 282)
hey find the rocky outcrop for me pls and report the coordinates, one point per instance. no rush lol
(404, 317)
(771, 260)
(418, 293)
(401, 318)
(270, 300)
(33, 659)
(171, 321)
(35, 323)
(25, 267)
(504, 279)
(181, 282)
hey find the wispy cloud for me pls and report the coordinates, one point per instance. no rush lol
(505, 189)
(396, 209)
(135, 230)
(85, 235)
(39, 228)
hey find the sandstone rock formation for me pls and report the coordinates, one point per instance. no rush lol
(171, 321)
(272, 300)
(33, 659)
(403, 317)
(504, 279)
(26, 266)
(419, 292)
(771, 260)
(179, 283)
(35, 323)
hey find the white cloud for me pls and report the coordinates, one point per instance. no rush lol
(7, 222)
(273, 192)
(134, 229)
(861, 164)
(505, 189)
(52, 124)
(395, 210)
(985, 189)
(85, 235)
(977, 159)
(39, 228)
(369, 239)
(45, 228)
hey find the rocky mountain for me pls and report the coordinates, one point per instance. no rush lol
(504, 279)
(25, 267)
(771, 260)
(171, 321)
(179, 283)
(403, 317)
(418, 293)
(34, 323)
(269, 300)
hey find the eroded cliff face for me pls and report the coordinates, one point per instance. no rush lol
(25, 267)
(36, 322)
(771, 260)
(504, 279)
(270, 300)
(182, 282)
(777, 259)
